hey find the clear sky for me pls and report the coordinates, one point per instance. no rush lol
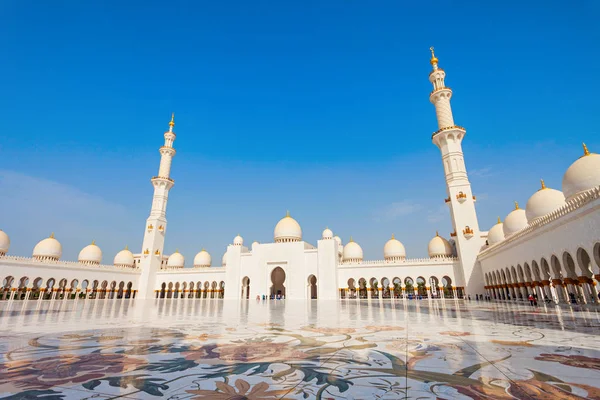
(317, 107)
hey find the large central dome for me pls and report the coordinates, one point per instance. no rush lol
(287, 230)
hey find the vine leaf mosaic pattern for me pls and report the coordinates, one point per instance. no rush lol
(214, 349)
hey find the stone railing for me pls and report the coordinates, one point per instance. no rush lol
(405, 262)
(575, 203)
(58, 263)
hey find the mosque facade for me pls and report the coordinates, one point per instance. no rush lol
(550, 248)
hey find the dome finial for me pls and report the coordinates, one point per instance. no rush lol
(499, 220)
(126, 247)
(287, 214)
(586, 152)
(516, 205)
(393, 236)
(52, 235)
(351, 240)
(543, 184)
(434, 59)
(437, 233)
(176, 250)
(94, 242)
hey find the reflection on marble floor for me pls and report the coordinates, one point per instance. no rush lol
(214, 349)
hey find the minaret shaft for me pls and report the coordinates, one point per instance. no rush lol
(156, 224)
(448, 138)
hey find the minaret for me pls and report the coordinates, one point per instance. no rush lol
(448, 139)
(156, 224)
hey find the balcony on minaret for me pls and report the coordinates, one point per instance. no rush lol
(468, 232)
(461, 197)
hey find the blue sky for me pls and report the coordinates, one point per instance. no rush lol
(319, 107)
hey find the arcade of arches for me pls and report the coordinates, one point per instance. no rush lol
(570, 277)
(24, 288)
(383, 288)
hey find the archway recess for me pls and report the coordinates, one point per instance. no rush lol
(277, 280)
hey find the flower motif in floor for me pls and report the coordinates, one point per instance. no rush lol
(242, 391)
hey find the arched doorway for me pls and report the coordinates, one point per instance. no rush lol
(246, 288)
(277, 279)
(312, 287)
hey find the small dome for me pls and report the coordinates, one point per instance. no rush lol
(543, 202)
(582, 175)
(202, 259)
(514, 221)
(394, 250)
(327, 234)
(338, 240)
(255, 243)
(48, 249)
(439, 247)
(352, 251)
(124, 258)
(238, 240)
(4, 243)
(287, 230)
(176, 260)
(90, 254)
(496, 233)
(224, 260)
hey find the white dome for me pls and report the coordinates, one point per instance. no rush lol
(238, 240)
(202, 259)
(338, 240)
(352, 251)
(176, 260)
(439, 247)
(327, 234)
(514, 221)
(4, 242)
(582, 175)
(124, 258)
(255, 243)
(48, 249)
(90, 254)
(224, 260)
(287, 230)
(394, 250)
(496, 233)
(543, 202)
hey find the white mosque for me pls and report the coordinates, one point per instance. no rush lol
(550, 248)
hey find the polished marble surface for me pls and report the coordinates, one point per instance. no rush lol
(377, 349)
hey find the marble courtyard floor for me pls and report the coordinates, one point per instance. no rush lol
(215, 349)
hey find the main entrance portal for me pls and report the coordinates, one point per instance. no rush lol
(278, 278)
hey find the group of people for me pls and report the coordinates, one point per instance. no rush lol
(277, 296)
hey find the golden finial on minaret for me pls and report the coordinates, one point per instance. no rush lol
(516, 205)
(586, 152)
(172, 122)
(543, 184)
(434, 59)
